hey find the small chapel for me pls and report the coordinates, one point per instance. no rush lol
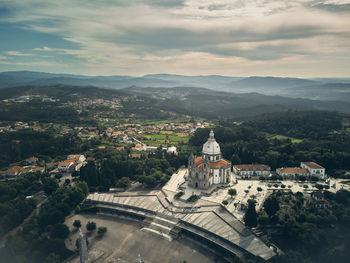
(210, 168)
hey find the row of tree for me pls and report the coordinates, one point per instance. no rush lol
(117, 169)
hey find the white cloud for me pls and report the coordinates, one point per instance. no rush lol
(18, 54)
(138, 37)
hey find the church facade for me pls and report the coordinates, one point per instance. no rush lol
(210, 168)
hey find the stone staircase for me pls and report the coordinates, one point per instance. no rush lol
(162, 227)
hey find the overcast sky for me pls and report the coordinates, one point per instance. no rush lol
(296, 38)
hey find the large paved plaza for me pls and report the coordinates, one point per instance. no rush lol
(125, 243)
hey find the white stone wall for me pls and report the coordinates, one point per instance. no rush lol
(315, 172)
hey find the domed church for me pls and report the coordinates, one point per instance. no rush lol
(210, 168)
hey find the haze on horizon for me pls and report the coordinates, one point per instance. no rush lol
(302, 38)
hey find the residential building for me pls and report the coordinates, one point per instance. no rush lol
(79, 157)
(66, 166)
(292, 172)
(251, 170)
(317, 199)
(32, 160)
(314, 169)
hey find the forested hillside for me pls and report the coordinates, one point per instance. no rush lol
(258, 141)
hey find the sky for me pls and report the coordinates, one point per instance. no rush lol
(298, 38)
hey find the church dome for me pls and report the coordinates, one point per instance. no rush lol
(211, 147)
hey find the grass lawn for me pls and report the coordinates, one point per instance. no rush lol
(282, 137)
(163, 139)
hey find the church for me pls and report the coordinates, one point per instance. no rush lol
(210, 168)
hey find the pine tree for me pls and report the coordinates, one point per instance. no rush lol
(250, 217)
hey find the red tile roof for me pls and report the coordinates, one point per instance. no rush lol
(32, 159)
(15, 169)
(222, 163)
(66, 162)
(313, 165)
(73, 156)
(252, 167)
(218, 164)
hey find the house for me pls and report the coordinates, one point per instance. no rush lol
(317, 200)
(314, 169)
(151, 148)
(79, 157)
(251, 170)
(170, 150)
(292, 172)
(39, 169)
(66, 166)
(14, 170)
(31, 160)
(140, 147)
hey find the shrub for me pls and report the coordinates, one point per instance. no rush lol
(319, 186)
(192, 198)
(77, 223)
(101, 230)
(90, 226)
(232, 192)
(178, 195)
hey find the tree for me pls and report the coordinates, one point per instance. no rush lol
(124, 182)
(224, 202)
(60, 231)
(53, 258)
(102, 230)
(271, 205)
(250, 216)
(77, 223)
(232, 192)
(90, 226)
(50, 185)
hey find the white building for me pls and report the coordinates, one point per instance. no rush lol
(314, 169)
(251, 170)
(66, 166)
(170, 150)
(78, 157)
(292, 172)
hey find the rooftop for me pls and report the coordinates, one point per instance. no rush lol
(313, 165)
(293, 170)
(252, 167)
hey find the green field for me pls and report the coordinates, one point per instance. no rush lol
(282, 137)
(163, 139)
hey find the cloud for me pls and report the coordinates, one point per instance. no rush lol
(126, 35)
(18, 54)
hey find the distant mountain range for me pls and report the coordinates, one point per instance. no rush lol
(318, 89)
(192, 101)
(213, 104)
